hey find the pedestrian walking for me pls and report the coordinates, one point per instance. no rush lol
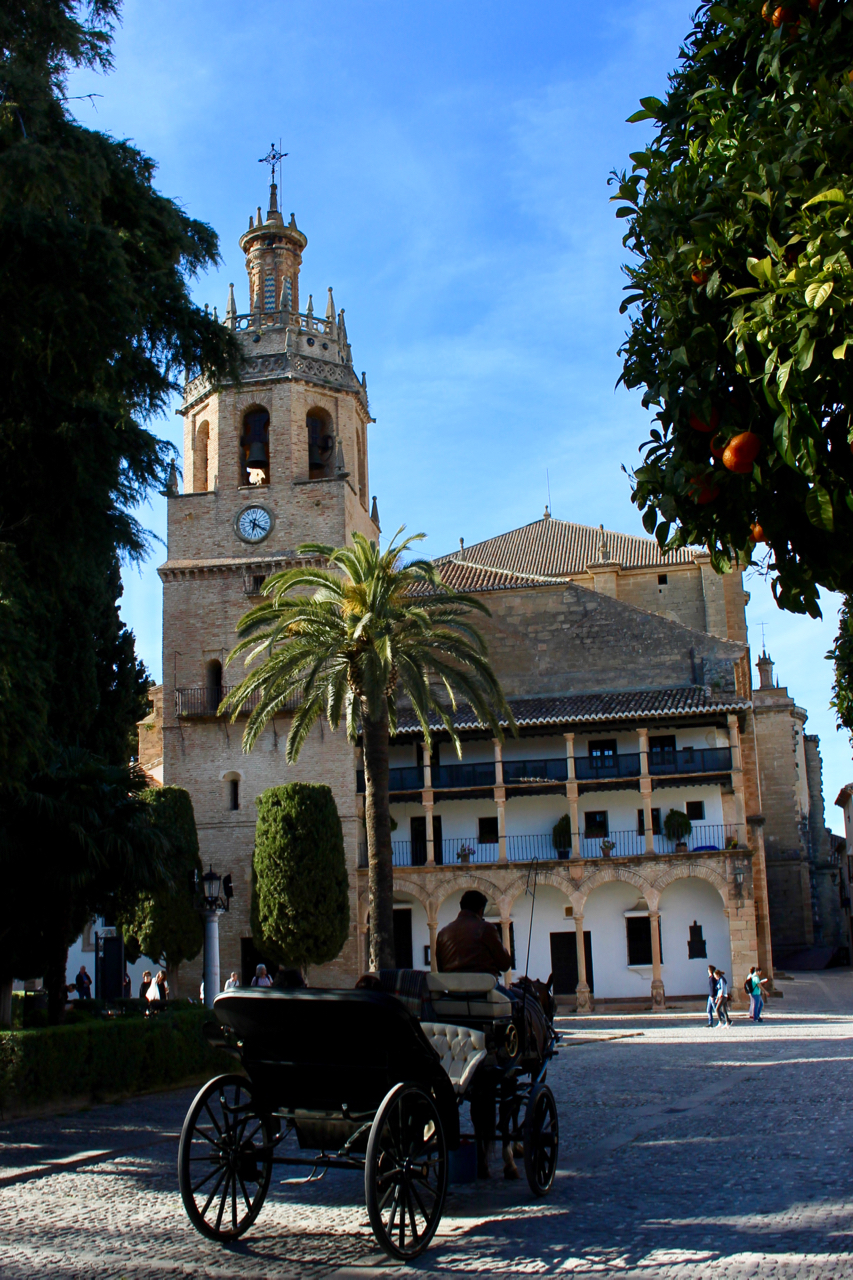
(158, 992)
(712, 994)
(758, 995)
(145, 984)
(233, 983)
(261, 978)
(721, 1000)
(83, 984)
(749, 988)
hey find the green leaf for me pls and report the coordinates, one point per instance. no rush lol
(840, 351)
(650, 519)
(819, 509)
(651, 104)
(640, 115)
(805, 358)
(625, 211)
(761, 268)
(835, 196)
(817, 294)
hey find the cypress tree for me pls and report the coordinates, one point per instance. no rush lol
(300, 889)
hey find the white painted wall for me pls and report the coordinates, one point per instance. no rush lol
(681, 903)
(549, 916)
(604, 919)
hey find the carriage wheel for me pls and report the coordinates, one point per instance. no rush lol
(405, 1173)
(225, 1159)
(541, 1136)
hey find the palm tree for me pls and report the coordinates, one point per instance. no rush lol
(372, 628)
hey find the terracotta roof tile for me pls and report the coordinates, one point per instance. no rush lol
(576, 708)
(547, 550)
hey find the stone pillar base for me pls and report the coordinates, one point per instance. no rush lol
(658, 997)
(585, 1000)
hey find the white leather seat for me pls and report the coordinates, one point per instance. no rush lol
(467, 995)
(461, 1050)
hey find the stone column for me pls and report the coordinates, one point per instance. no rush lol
(646, 789)
(432, 925)
(585, 1003)
(427, 801)
(755, 822)
(742, 923)
(572, 794)
(500, 798)
(505, 938)
(501, 805)
(737, 778)
(658, 995)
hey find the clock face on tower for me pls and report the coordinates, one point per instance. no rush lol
(253, 524)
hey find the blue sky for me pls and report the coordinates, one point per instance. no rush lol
(449, 164)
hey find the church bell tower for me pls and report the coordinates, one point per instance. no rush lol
(272, 462)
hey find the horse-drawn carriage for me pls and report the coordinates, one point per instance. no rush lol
(373, 1082)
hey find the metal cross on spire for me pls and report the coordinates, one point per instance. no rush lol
(274, 157)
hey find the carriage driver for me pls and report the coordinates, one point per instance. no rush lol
(470, 944)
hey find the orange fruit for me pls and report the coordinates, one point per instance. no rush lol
(741, 451)
(698, 425)
(783, 15)
(767, 11)
(698, 277)
(814, 5)
(703, 489)
(758, 534)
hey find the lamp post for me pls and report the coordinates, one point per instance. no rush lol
(211, 903)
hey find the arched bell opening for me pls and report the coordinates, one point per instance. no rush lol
(255, 447)
(321, 444)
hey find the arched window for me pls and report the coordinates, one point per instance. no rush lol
(321, 444)
(200, 455)
(255, 447)
(213, 685)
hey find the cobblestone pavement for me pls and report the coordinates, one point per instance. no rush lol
(685, 1152)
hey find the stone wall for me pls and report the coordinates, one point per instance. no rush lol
(568, 639)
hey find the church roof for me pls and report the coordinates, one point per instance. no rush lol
(546, 551)
(576, 708)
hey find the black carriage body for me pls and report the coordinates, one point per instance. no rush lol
(328, 1058)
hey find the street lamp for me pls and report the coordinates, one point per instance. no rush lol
(211, 903)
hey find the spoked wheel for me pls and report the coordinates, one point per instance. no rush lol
(225, 1159)
(405, 1173)
(541, 1136)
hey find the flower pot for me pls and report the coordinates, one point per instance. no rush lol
(464, 857)
(681, 846)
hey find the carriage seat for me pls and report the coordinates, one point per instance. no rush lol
(461, 1051)
(467, 995)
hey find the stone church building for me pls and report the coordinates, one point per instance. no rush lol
(628, 673)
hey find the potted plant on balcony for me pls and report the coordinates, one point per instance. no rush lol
(607, 847)
(677, 826)
(561, 836)
(466, 852)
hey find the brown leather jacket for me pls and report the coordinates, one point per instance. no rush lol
(471, 945)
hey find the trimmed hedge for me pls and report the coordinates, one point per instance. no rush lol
(94, 1059)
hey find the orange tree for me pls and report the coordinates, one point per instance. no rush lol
(740, 219)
